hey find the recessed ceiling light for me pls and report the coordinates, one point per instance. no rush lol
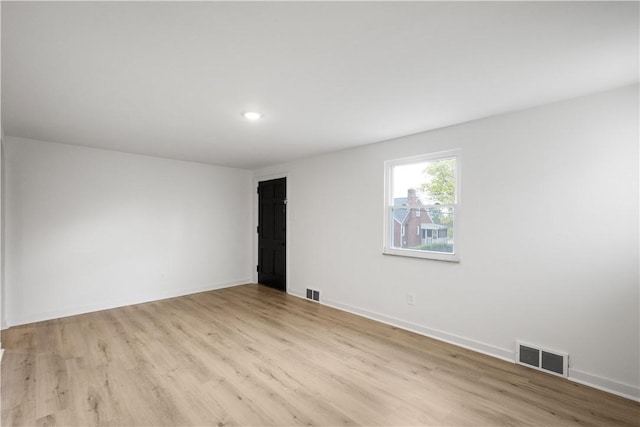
(252, 115)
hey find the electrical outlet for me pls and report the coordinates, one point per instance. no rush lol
(411, 299)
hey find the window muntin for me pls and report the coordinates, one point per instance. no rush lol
(423, 192)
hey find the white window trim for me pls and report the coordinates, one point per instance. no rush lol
(388, 202)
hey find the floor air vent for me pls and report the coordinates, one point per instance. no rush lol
(312, 294)
(554, 362)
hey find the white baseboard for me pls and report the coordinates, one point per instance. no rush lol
(610, 386)
(469, 344)
(74, 311)
(615, 387)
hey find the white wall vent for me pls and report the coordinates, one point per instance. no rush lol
(551, 361)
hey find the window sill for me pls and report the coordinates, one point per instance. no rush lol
(435, 256)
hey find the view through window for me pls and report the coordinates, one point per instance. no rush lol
(422, 199)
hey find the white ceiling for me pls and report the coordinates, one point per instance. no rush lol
(172, 79)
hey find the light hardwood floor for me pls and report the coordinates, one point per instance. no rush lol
(250, 355)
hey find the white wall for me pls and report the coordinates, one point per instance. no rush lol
(2, 316)
(89, 229)
(1, 198)
(548, 226)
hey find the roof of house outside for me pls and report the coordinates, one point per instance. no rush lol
(431, 226)
(400, 214)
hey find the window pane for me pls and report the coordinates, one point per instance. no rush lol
(433, 182)
(441, 228)
(435, 226)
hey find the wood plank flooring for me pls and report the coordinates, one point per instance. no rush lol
(250, 355)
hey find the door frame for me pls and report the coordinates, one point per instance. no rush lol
(256, 205)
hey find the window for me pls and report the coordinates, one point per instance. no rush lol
(428, 186)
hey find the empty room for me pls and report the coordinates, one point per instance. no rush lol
(320, 213)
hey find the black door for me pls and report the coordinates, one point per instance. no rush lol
(272, 233)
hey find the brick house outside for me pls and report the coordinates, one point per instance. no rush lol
(412, 225)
